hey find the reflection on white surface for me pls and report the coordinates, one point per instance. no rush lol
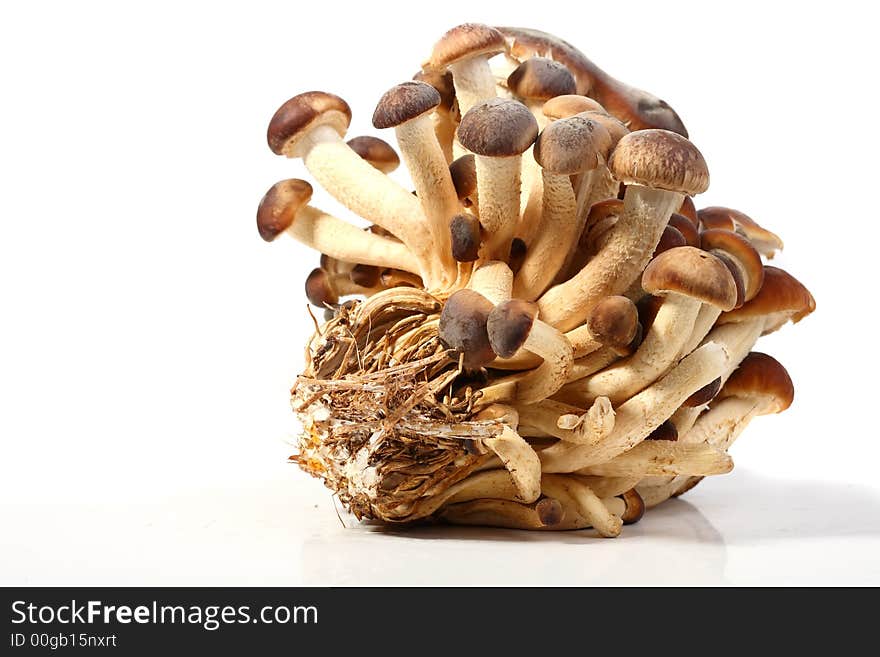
(739, 529)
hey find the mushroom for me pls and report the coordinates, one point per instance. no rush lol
(515, 453)
(637, 417)
(563, 106)
(781, 298)
(635, 507)
(513, 325)
(377, 152)
(658, 167)
(664, 458)
(599, 184)
(463, 328)
(285, 209)
(498, 131)
(564, 148)
(487, 512)
(569, 423)
(407, 108)
(689, 211)
(465, 50)
(636, 108)
(464, 178)
(323, 289)
(585, 501)
(311, 126)
(739, 251)
(687, 229)
(464, 231)
(493, 280)
(766, 242)
(686, 277)
(444, 117)
(536, 81)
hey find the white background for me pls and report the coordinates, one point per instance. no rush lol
(149, 337)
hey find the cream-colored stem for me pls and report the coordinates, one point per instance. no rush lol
(702, 325)
(639, 416)
(558, 230)
(582, 344)
(368, 192)
(590, 364)
(609, 486)
(628, 248)
(725, 422)
(582, 341)
(520, 460)
(588, 504)
(531, 198)
(498, 179)
(663, 457)
(493, 280)
(657, 353)
(473, 82)
(444, 131)
(339, 239)
(429, 172)
(589, 428)
(550, 375)
(683, 419)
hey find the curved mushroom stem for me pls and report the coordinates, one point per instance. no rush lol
(557, 231)
(498, 182)
(515, 453)
(657, 353)
(628, 248)
(592, 363)
(429, 172)
(368, 192)
(704, 322)
(639, 416)
(341, 240)
(587, 503)
(662, 457)
(493, 280)
(570, 423)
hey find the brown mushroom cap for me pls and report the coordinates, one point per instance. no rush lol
(669, 239)
(666, 431)
(464, 176)
(704, 395)
(319, 291)
(305, 112)
(365, 275)
(465, 232)
(742, 251)
(498, 127)
(509, 325)
(376, 151)
(442, 82)
(691, 272)
(780, 293)
(613, 322)
(463, 327)
(689, 210)
(616, 129)
(550, 511)
(563, 106)
(737, 274)
(569, 146)
(403, 103)
(635, 507)
(661, 160)
(715, 218)
(278, 208)
(466, 41)
(760, 375)
(540, 78)
(729, 219)
(684, 226)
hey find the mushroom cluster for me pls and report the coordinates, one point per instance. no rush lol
(546, 333)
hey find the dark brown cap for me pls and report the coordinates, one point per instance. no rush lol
(550, 511)
(691, 272)
(572, 145)
(635, 507)
(743, 253)
(613, 322)
(278, 208)
(364, 275)
(403, 103)
(466, 41)
(305, 112)
(616, 129)
(463, 327)
(669, 239)
(376, 151)
(660, 159)
(464, 176)
(464, 230)
(561, 107)
(737, 274)
(319, 290)
(442, 82)
(498, 127)
(540, 78)
(687, 229)
(704, 395)
(666, 431)
(780, 293)
(760, 375)
(510, 324)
